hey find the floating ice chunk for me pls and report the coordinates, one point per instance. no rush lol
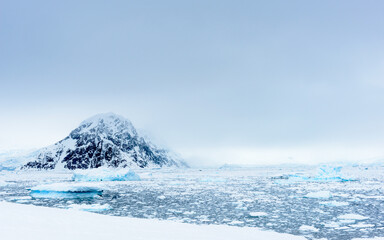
(347, 221)
(352, 217)
(331, 174)
(22, 199)
(189, 212)
(105, 174)
(90, 207)
(334, 204)
(306, 228)
(329, 171)
(258, 214)
(320, 195)
(2, 183)
(66, 190)
(162, 197)
(332, 225)
(362, 225)
(236, 222)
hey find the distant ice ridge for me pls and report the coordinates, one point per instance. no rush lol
(105, 174)
(66, 190)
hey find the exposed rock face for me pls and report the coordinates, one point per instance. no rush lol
(104, 140)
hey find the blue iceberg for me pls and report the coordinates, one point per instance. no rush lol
(66, 190)
(325, 174)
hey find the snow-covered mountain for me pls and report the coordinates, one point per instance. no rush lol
(106, 140)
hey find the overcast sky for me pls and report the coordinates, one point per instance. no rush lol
(216, 81)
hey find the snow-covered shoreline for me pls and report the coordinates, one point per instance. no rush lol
(20, 222)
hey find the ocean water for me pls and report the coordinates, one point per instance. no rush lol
(315, 202)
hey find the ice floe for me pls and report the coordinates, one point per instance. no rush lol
(258, 214)
(352, 217)
(362, 225)
(66, 190)
(320, 195)
(90, 207)
(305, 228)
(334, 204)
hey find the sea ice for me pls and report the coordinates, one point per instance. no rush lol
(352, 217)
(66, 190)
(214, 179)
(334, 204)
(90, 207)
(258, 214)
(362, 225)
(162, 197)
(320, 195)
(105, 174)
(332, 225)
(305, 228)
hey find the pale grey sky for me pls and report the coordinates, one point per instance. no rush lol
(217, 81)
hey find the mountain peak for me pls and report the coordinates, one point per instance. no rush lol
(106, 117)
(108, 123)
(105, 139)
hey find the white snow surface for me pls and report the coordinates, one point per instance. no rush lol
(20, 222)
(105, 174)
